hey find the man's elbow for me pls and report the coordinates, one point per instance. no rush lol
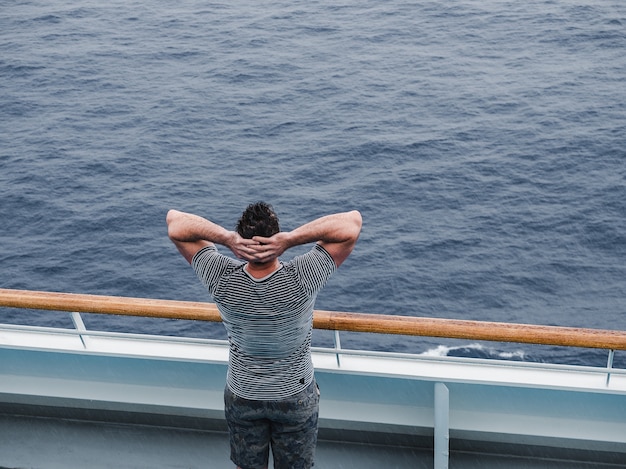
(357, 223)
(171, 215)
(172, 226)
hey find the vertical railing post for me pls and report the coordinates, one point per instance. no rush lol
(338, 347)
(80, 327)
(442, 426)
(609, 366)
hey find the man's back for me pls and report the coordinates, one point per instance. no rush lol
(268, 320)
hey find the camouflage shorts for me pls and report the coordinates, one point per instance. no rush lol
(288, 425)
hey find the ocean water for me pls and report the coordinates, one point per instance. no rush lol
(484, 143)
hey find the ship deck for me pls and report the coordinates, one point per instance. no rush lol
(76, 398)
(37, 442)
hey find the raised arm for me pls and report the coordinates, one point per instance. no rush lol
(190, 233)
(337, 234)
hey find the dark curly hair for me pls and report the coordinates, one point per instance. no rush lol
(259, 219)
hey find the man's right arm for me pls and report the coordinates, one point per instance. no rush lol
(190, 233)
(336, 233)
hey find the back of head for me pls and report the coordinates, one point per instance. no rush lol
(258, 219)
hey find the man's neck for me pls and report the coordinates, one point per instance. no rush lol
(260, 270)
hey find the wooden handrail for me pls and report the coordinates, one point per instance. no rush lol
(125, 306)
(330, 320)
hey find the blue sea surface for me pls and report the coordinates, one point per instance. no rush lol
(484, 143)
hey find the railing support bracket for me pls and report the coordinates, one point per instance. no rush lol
(442, 426)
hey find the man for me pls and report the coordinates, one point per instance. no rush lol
(271, 398)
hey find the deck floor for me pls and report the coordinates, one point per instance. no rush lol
(49, 443)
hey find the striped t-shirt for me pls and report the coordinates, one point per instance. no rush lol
(268, 320)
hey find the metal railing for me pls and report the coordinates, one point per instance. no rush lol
(610, 340)
(329, 320)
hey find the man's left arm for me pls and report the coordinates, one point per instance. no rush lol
(336, 233)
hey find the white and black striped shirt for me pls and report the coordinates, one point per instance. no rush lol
(268, 320)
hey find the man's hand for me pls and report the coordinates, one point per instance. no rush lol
(268, 249)
(242, 248)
